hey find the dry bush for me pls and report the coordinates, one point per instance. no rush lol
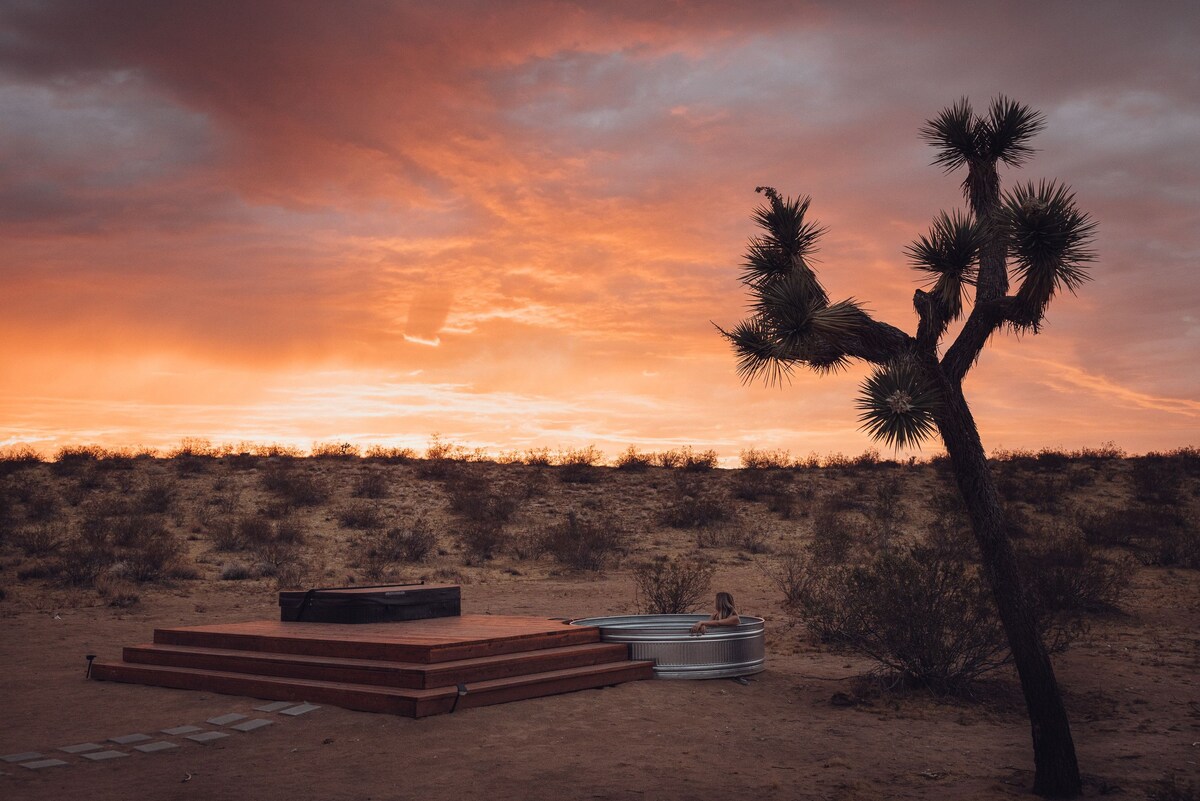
(15, 458)
(834, 535)
(749, 539)
(474, 497)
(414, 542)
(1156, 480)
(391, 455)
(1157, 535)
(157, 495)
(633, 460)
(334, 450)
(695, 505)
(481, 541)
(579, 466)
(73, 459)
(361, 515)
(371, 484)
(223, 531)
(152, 553)
(42, 503)
(755, 459)
(925, 619)
(583, 544)
(40, 539)
(235, 571)
(672, 586)
(1066, 576)
(297, 486)
(117, 592)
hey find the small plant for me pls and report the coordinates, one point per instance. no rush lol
(371, 484)
(694, 506)
(583, 544)
(235, 571)
(834, 534)
(298, 487)
(361, 515)
(672, 586)
(754, 459)
(473, 497)
(481, 541)
(631, 459)
(334, 450)
(158, 495)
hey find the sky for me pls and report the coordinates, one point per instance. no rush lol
(514, 224)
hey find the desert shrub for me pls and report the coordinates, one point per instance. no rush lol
(672, 586)
(583, 544)
(390, 455)
(481, 540)
(156, 554)
(1044, 492)
(699, 460)
(371, 484)
(14, 458)
(42, 503)
(925, 619)
(72, 459)
(754, 459)
(361, 515)
(414, 542)
(81, 558)
(815, 595)
(669, 458)
(224, 532)
(884, 505)
(1067, 576)
(749, 539)
(834, 535)
(1156, 480)
(40, 539)
(158, 495)
(695, 505)
(1051, 459)
(527, 545)
(299, 487)
(1157, 535)
(116, 591)
(235, 571)
(334, 450)
(633, 460)
(474, 497)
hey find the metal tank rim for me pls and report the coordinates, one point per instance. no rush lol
(722, 652)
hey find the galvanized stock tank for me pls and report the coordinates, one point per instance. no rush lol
(722, 652)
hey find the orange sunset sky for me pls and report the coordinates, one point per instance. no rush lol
(512, 222)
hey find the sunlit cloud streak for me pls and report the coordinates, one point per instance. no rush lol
(520, 218)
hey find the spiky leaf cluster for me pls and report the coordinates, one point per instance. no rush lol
(898, 404)
(793, 321)
(1049, 240)
(949, 256)
(960, 137)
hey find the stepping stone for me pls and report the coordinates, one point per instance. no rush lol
(182, 730)
(251, 725)
(150, 748)
(207, 736)
(299, 710)
(98, 756)
(225, 720)
(43, 763)
(79, 749)
(23, 757)
(127, 739)
(275, 707)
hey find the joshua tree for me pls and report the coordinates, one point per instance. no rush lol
(1032, 233)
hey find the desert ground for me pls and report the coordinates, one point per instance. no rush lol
(97, 549)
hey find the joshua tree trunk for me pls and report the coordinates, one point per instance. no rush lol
(1056, 768)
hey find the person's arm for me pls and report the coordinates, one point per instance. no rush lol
(703, 625)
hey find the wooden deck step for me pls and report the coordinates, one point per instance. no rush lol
(423, 641)
(372, 698)
(412, 675)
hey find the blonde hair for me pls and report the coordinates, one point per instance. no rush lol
(725, 607)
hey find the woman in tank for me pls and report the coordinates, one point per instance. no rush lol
(724, 615)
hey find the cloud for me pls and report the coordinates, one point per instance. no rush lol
(556, 197)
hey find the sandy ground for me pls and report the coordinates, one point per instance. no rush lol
(1131, 686)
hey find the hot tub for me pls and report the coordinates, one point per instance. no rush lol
(722, 652)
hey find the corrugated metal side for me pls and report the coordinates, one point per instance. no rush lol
(679, 654)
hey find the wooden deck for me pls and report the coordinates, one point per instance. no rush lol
(414, 668)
